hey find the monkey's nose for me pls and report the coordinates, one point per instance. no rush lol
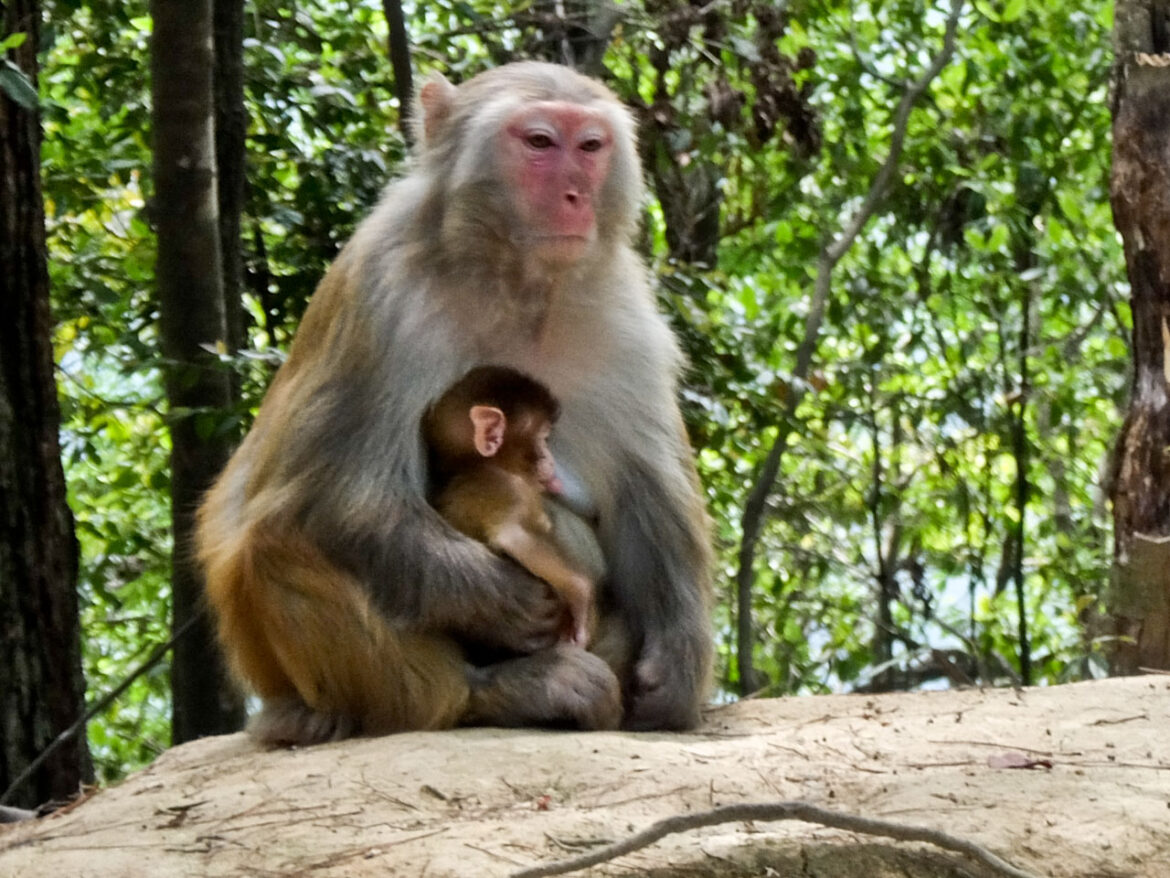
(577, 199)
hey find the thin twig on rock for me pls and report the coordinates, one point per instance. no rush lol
(772, 811)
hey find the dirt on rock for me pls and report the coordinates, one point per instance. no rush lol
(1063, 781)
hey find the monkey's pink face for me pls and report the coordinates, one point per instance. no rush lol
(556, 158)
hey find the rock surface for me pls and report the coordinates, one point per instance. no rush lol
(488, 802)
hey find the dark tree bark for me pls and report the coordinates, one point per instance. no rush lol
(691, 201)
(41, 687)
(1139, 604)
(231, 131)
(399, 46)
(191, 316)
(577, 32)
(1025, 260)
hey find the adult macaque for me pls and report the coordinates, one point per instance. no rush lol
(342, 597)
(488, 438)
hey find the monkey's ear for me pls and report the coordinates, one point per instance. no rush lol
(490, 424)
(435, 99)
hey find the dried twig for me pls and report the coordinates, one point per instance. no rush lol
(777, 811)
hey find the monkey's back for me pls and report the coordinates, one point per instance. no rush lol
(483, 498)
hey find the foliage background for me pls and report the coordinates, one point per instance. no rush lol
(974, 351)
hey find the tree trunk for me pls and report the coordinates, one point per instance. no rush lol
(577, 32)
(41, 687)
(399, 47)
(191, 315)
(1139, 604)
(231, 131)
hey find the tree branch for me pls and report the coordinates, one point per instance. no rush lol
(773, 811)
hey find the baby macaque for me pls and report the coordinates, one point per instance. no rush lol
(488, 440)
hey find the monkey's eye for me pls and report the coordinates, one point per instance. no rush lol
(593, 144)
(539, 140)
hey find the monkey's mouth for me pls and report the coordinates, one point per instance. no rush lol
(541, 239)
(557, 249)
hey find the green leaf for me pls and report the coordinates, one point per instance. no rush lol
(988, 8)
(1070, 206)
(16, 85)
(1012, 10)
(13, 41)
(999, 237)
